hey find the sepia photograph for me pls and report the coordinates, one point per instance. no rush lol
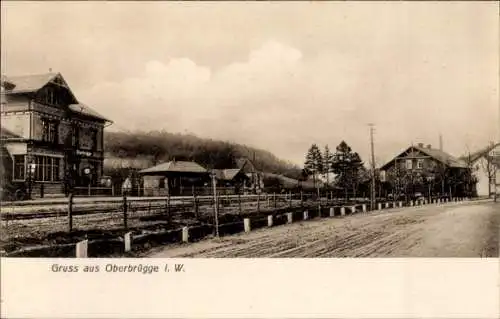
(249, 130)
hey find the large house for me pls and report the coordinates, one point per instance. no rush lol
(48, 137)
(427, 171)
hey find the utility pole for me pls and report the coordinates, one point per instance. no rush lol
(372, 199)
(216, 209)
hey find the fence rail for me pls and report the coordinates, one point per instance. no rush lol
(186, 231)
(73, 220)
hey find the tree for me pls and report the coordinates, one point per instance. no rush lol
(348, 167)
(396, 179)
(327, 164)
(314, 162)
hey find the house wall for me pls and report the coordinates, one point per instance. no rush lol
(152, 186)
(428, 163)
(17, 123)
(15, 103)
(482, 177)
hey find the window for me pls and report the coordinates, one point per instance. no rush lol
(47, 168)
(161, 183)
(93, 137)
(409, 164)
(51, 97)
(19, 167)
(49, 133)
(55, 169)
(420, 163)
(75, 135)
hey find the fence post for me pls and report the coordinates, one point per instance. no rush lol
(185, 234)
(258, 203)
(246, 223)
(128, 241)
(301, 199)
(125, 206)
(82, 249)
(332, 212)
(239, 203)
(379, 206)
(364, 208)
(342, 211)
(269, 220)
(306, 215)
(290, 199)
(289, 217)
(70, 212)
(216, 212)
(169, 216)
(195, 203)
(275, 204)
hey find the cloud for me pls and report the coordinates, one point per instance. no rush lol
(180, 95)
(279, 99)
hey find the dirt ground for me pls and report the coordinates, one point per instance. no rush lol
(43, 230)
(449, 230)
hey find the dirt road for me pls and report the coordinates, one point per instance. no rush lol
(450, 230)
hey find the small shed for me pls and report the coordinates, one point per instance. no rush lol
(173, 178)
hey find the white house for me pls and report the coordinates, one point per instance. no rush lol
(486, 163)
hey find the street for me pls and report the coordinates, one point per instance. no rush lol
(450, 230)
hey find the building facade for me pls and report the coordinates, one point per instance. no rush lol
(425, 171)
(54, 141)
(486, 165)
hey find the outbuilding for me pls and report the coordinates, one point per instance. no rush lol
(174, 178)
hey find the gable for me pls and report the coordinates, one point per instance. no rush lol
(245, 165)
(410, 152)
(421, 152)
(495, 155)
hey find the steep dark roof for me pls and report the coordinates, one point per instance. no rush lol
(177, 167)
(245, 164)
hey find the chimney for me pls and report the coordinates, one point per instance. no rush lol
(429, 146)
(421, 145)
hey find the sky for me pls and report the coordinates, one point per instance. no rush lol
(275, 75)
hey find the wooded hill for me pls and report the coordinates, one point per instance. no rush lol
(162, 146)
